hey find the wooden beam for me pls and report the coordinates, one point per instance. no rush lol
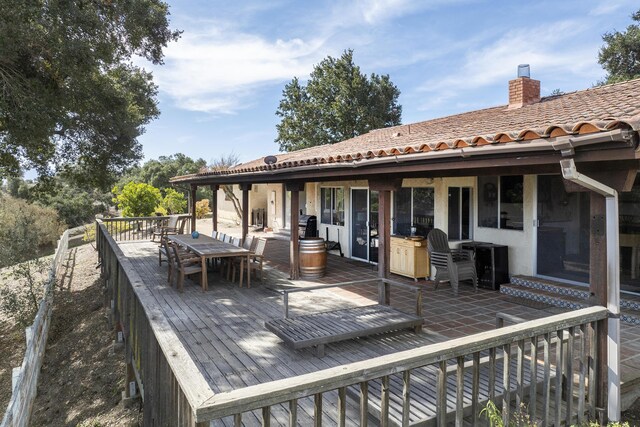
(294, 256)
(294, 186)
(598, 287)
(245, 186)
(194, 189)
(214, 206)
(389, 184)
(245, 211)
(384, 233)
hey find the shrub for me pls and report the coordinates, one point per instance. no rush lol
(20, 300)
(202, 208)
(174, 202)
(27, 230)
(137, 199)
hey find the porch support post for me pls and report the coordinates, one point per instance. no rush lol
(294, 256)
(245, 209)
(598, 288)
(384, 188)
(607, 285)
(194, 188)
(384, 233)
(214, 206)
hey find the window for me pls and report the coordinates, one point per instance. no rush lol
(459, 213)
(500, 202)
(332, 206)
(413, 211)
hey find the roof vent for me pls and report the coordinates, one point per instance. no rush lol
(270, 160)
(524, 70)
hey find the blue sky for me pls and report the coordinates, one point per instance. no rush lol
(222, 81)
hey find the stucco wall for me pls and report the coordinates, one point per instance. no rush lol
(257, 199)
(520, 242)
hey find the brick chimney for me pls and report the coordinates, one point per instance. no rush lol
(523, 90)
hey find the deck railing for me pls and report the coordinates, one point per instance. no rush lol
(25, 378)
(141, 228)
(158, 367)
(548, 365)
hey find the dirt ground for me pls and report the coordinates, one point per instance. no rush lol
(82, 379)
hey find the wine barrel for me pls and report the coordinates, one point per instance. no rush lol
(313, 258)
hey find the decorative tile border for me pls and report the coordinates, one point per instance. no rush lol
(531, 284)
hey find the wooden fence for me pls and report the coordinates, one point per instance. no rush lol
(25, 378)
(549, 365)
(141, 228)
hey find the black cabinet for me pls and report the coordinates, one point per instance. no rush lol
(492, 263)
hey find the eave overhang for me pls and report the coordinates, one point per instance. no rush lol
(523, 157)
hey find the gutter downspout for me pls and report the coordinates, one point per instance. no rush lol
(570, 173)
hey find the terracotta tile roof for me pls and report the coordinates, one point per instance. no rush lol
(587, 111)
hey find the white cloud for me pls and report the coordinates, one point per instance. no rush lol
(216, 71)
(608, 7)
(544, 49)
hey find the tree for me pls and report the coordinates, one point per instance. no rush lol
(225, 162)
(620, 55)
(71, 98)
(338, 103)
(173, 201)
(137, 199)
(158, 172)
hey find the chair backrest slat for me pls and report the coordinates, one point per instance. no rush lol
(235, 241)
(437, 241)
(248, 242)
(172, 222)
(214, 234)
(262, 243)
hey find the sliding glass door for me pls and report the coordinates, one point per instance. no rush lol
(364, 224)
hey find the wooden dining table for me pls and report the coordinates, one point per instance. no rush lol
(207, 247)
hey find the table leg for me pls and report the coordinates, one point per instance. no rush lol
(203, 279)
(241, 271)
(248, 271)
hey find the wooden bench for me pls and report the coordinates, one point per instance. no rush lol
(318, 329)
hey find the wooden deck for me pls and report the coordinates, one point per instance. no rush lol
(223, 328)
(223, 331)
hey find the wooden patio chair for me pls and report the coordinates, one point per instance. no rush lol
(182, 223)
(454, 265)
(248, 243)
(256, 258)
(166, 249)
(185, 266)
(171, 227)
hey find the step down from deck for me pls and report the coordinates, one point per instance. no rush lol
(564, 295)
